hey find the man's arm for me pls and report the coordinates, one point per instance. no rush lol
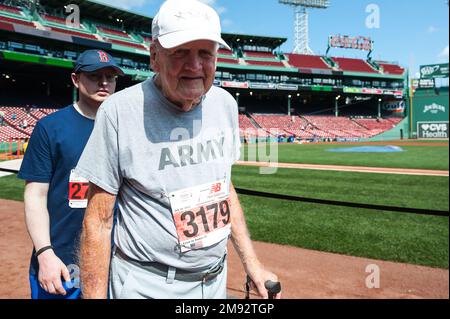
(95, 243)
(51, 268)
(244, 247)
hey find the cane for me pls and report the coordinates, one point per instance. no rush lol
(273, 287)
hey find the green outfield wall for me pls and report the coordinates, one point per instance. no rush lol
(429, 114)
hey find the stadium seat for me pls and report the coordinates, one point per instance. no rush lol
(391, 68)
(265, 63)
(227, 60)
(59, 22)
(16, 21)
(8, 133)
(307, 61)
(121, 34)
(281, 124)
(126, 43)
(245, 123)
(354, 65)
(262, 59)
(376, 126)
(53, 19)
(12, 116)
(74, 33)
(9, 9)
(395, 120)
(226, 52)
(336, 127)
(265, 55)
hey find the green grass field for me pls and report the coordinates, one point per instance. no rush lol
(11, 188)
(417, 239)
(425, 157)
(400, 237)
(382, 235)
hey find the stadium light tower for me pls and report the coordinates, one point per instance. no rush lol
(301, 31)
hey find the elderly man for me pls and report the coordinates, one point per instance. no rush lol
(165, 148)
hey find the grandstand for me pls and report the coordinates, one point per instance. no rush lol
(310, 97)
(354, 65)
(315, 127)
(308, 62)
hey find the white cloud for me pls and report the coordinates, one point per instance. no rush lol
(221, 10)
(227, 22)
(432, 29)
(213, 3)
(444, 54)
(208, 2)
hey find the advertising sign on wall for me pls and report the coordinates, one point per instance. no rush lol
(434, 71)
(236, 85)
(432, 130)
(347, 42)
(394, 106)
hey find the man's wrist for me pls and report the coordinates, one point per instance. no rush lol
(42, 250)
(251, 262)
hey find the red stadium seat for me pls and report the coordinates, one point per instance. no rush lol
(224, 51)
(307, 61)
(117, 33)
(245, 123)
(127, 44)
(336, 127)
(376, 125)
(266, 63)
(229, 61)
(14, 128)
(281, 123)
(254, 54)
(54, 19)
(10, 9)
(74, 33)
(16, 21)
(59, 20)
(391, 68)
(354, 65)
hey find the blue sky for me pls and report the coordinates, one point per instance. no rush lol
(411, 32)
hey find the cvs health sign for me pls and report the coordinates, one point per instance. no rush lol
(432, 130)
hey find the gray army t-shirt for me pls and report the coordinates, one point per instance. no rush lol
(143, 148)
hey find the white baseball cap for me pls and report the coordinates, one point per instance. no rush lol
(183, 21)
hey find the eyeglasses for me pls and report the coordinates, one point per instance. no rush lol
(99, 77)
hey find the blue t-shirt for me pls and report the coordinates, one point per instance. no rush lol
(53, 151)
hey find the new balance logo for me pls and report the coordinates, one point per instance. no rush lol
(216, 188)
